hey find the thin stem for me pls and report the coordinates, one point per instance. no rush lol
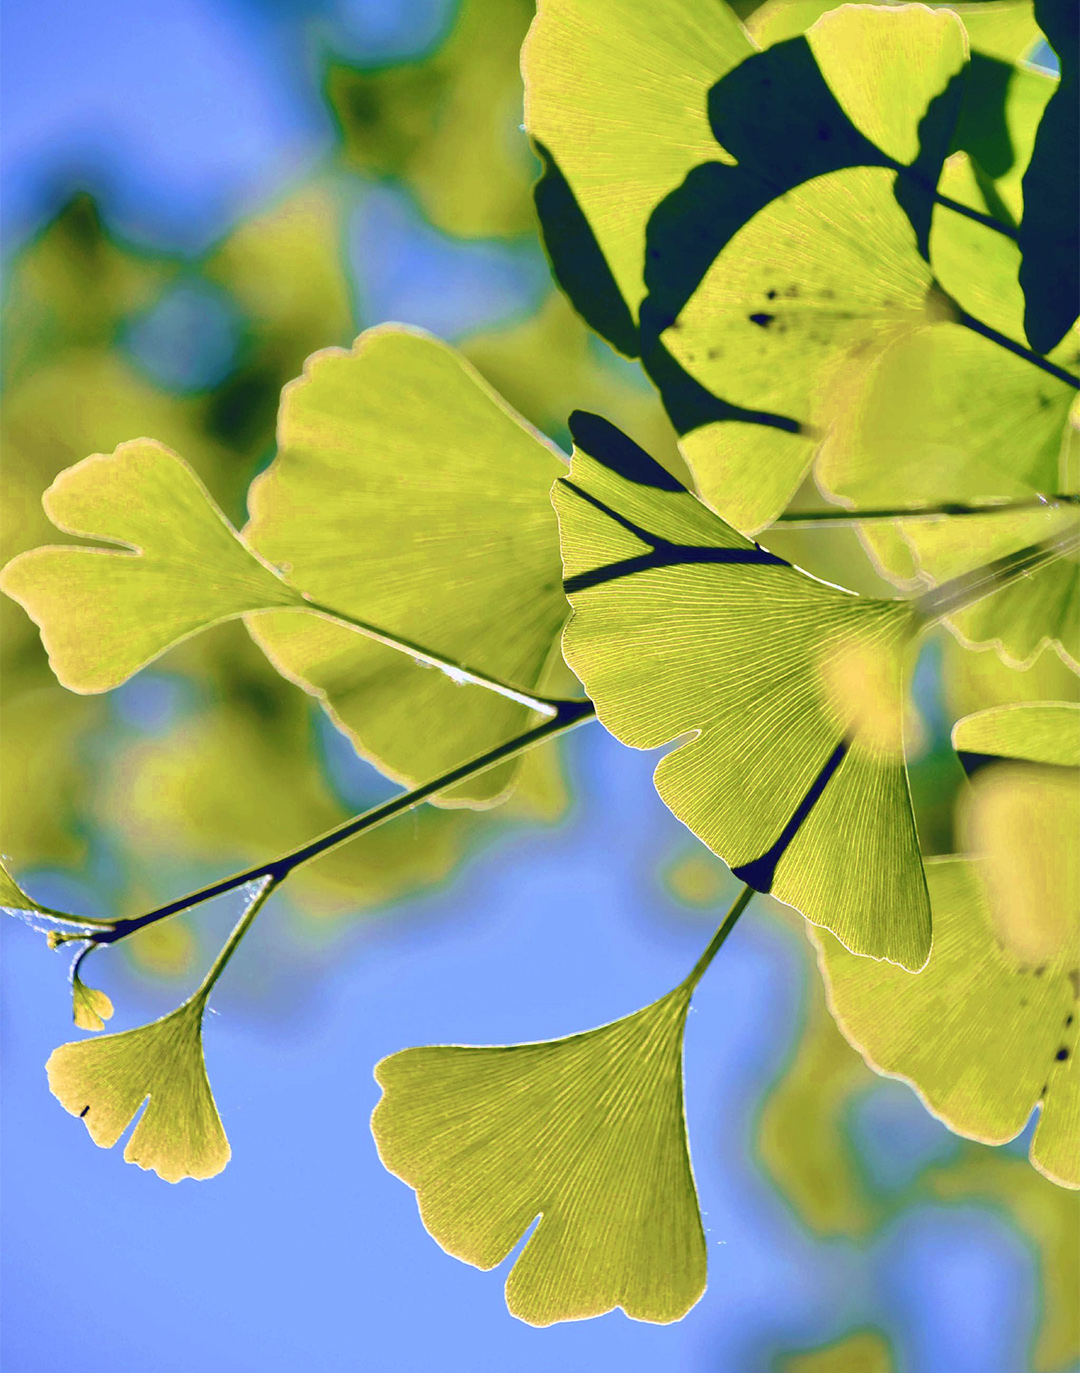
(981, 582)
(697, 972)
(231, 944)
(568, 714)
(839, 516)
(458, 672)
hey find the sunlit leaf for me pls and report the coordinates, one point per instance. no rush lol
(791, 691)
(408, 495)
(989, 1027)
(105, 1081)
(588, 1133)
(783, 324)
(616, 102)
(90, 1007)
(1050, 229)
(918, 432)
(103, 613)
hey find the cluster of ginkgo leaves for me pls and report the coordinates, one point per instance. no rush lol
(846, 258)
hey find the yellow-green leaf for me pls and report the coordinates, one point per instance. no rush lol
(784, 323)
(406, 494)
(105, 1081)
(616, 96)
(980, 1035)
(105, 613)
(588, 1133)
(90, 1007)
(989, 1027)
(790, 692)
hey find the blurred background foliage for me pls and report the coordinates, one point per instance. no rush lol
(414, 203)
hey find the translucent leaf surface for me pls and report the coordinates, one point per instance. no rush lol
(90, 1007)
(103, 613)
(784, 322)
(989, 1027)
(616, 100)
(105, 1081)
(789, 691)
(407, 494)
(588, 1133)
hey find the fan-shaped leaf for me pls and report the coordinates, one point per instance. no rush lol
(105, 1081)
(791, 690)
(989, 1027)
(104, 614)
(587, 1133)
(406, 494)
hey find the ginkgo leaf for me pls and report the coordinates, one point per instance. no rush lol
(782, 325)
(90, 1007)
(917, 431)
(406, 494)
(615, 99)
(989, 1027)
(1005, 29)
(1050, 230)
(791, 691)
(980, 1035)
(105, 1081)
(12, 896)
(104, 613)
(588, 1133)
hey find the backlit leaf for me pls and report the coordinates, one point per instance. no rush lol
(407, 494)
(782, 325)
(616, 102)
(792, 693)
(103, 613)
(105, 1081)
(989, 1027)
(90, 1007)
(588, 1133)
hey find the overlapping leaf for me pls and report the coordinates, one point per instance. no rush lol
(588, 1133)
(615, 101)
(407, 495)
(918, 431)
(104, 614)
(791, 690)
(989, 1027)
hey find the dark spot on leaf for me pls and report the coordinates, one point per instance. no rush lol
(1068, 1020)
(715, 353)
(1062, 1054)
(762, 321)
(83, 1112)
(792, 291)
(771, 294)
(1040, 970)
(1044, 401)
